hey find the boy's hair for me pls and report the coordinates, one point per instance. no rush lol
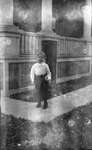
(41, 55)
(40, 60)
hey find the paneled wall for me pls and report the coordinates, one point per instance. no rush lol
(73, 67)
(19, 74)
(74, 58)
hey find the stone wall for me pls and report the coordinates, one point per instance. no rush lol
(19, 74)
(19, 51)
(70, 68)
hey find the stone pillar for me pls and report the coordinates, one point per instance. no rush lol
(9, 44)
(6, 24)
(5, 79)
(46, 15)
(87, 14)
(6, 12)
(6, 16)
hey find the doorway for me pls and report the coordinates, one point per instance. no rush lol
(50, 48)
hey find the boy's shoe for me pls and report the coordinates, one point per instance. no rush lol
(45, 106)
(38, 105)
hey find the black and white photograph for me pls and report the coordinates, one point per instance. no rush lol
(46, 74)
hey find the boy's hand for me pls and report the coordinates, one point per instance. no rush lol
(46, 78)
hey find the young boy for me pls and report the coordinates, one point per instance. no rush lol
(40, 76)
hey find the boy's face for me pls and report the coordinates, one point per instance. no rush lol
(41, 60)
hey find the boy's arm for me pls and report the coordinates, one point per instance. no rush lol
(32, 74)
(48, 77)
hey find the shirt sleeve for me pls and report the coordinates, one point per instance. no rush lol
(32, 74)
(48, 72)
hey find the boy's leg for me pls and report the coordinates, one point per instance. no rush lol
(45, 104)
(38, 90)
(45, 94)
(38, 97)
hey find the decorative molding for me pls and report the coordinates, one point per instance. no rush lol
(64, 79)
(73, 59)
(19, 90)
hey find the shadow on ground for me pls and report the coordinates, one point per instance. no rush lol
(62, 88)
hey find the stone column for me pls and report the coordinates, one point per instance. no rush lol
(87, 14)
(5, 79)
(6, 24)
(46, 15)
(6, 12)
(9, 43)
(6, 16)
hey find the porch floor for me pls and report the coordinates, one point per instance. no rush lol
(56, 106)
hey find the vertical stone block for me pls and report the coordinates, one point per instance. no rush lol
(46, 15)
(6, 12)
(87, 14)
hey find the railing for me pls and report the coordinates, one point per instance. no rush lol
(74, 47)
(29, 44)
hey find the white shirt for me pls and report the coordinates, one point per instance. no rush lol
(40, 69)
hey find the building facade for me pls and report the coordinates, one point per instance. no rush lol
(62, 29)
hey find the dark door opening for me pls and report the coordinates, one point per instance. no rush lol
(50, 48)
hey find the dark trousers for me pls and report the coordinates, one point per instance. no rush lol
(41, 87)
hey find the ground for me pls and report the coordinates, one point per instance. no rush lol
(70, 131)
(66, 124)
